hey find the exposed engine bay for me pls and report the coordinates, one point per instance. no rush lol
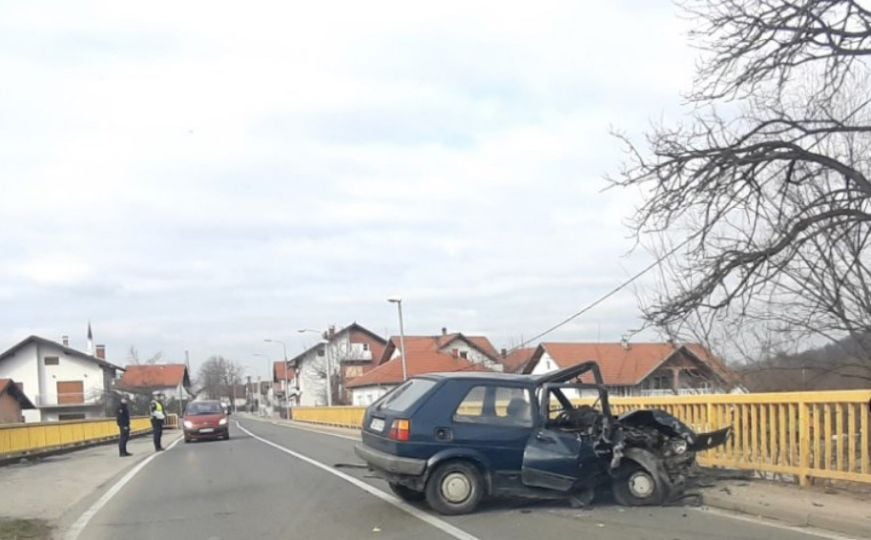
(648, 439)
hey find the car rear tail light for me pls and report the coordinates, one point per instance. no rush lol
(400, 430)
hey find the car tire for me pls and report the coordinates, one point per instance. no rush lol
(633, 485)
(406, 493)
(454, 488)
(187, 439)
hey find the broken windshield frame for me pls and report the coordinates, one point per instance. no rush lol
(556, 389)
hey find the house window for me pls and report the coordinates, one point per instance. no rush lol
(660, 382)
(70, 416)
(70, 392)
(495, 405)
(365, 346)
(464, 354)
(52, 360)
(320, 352)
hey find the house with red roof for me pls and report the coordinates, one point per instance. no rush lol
(340, 357)
(516, 360)
(424, 354)
(172, 380)
(642, 369)
(12, 402)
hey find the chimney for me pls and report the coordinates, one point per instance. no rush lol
(504, 353)
(444, 331)
(65, 340)
(101, 352)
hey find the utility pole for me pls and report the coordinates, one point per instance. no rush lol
(398, 301)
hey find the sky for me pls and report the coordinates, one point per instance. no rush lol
(200, 176)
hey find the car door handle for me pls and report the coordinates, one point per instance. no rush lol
(541, 437)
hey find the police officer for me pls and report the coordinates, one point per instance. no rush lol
(122, 418)
(158, 415)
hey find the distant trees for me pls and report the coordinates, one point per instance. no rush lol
(218, 376)
(763, 198)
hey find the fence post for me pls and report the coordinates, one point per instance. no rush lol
(804, 443)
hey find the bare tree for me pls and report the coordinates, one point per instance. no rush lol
(134, 358)
(760, 206)
(218, 376)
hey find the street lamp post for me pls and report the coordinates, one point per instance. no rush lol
(268, 372)
(398, 301)
(286, 400)
(329, 366)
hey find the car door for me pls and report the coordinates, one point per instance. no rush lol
(554, 459)
(486, 422)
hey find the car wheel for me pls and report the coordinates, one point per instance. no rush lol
(636, 486)
(406, 493)
(454, 488)
(187, 439)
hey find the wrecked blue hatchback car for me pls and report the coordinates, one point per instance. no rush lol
(454, 438)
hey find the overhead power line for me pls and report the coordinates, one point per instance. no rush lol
(607, 295)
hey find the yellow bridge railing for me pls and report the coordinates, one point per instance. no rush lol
(22, 439)
(351, 417)
(804, 434)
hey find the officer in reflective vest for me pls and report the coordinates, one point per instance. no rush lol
(158, 415)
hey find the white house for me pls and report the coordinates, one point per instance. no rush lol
(63, 383)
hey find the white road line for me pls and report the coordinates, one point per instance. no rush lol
(76, 529)
(315, 430)
(756, 520)
(442, 525)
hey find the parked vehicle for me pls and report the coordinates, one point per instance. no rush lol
(205, 420)
(454, 438)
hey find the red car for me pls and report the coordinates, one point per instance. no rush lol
(206, 420)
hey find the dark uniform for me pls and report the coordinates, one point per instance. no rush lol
(122, 418)
(158, 415)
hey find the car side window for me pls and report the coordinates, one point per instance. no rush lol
(495, 405)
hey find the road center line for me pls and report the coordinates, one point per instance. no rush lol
(440, 524)
(76, 529)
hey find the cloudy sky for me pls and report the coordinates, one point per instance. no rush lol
(203, 175)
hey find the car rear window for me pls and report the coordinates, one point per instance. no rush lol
(406, 395)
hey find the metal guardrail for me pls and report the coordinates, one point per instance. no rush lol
(804, 434)
(23, 439)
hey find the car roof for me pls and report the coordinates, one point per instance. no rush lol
(558, 376)
(482, 375)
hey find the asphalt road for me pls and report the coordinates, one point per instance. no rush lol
(262, 486)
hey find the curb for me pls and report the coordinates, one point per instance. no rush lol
(854, 527)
